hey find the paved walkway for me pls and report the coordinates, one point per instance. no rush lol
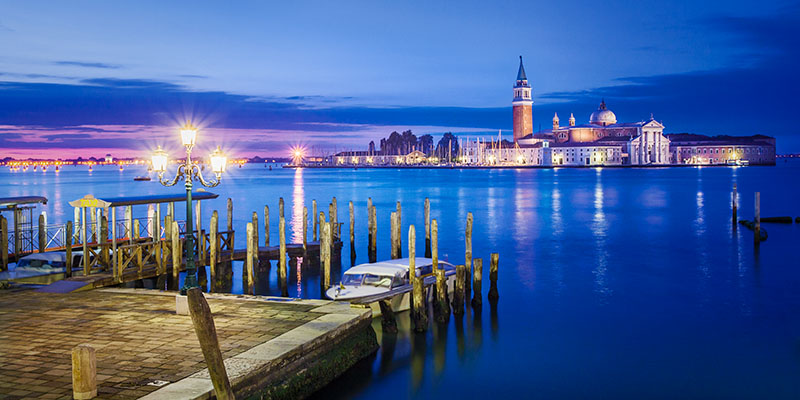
(138, 338)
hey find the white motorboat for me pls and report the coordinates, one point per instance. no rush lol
(42, 268)
(368, 283)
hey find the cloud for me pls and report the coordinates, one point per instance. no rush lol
(86, 64)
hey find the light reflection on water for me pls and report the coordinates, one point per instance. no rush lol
(613, 282)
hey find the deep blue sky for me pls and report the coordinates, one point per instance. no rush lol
(96, 76)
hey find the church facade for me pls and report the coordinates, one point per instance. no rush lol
(633, 143)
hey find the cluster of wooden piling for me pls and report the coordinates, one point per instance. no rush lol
(466, 279)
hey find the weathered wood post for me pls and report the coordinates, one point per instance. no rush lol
(419, 312)
(42, 233)
(352, 234)
(334, 217)
(477, 277)
(468, 254)
(248, 262)
(305, 230)
(373, 230)
(213, 239)
(282, 273)
(135, 230)
(393, 235)
(314, 217)
(332, 223)
(734, 208)
(4, 242)
(757, 220)
(84, 372)
(206, 332)
(326, 256)
(255, 231)
(399, 228)
(67, 248)
(177, 255)
(388, 321)
(266, 226)
(102, 240)
(459, 291)
(442, 307)
(427, 228)
(493, 294)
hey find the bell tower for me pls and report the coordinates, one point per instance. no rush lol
(522, 105)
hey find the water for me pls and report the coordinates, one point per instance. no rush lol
(614, 283)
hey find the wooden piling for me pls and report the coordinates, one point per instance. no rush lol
(104, 232)
(427, 228)
(373, 234)
(206, 332)
(352, 234)
(399, 228)
(230, 214)
(4, 242)
(177, 255)
(129, 223)
(734, 208)
(334, 217)
(314, 219)
(493, 294)
(442, 308)
(332, 223)
(388, 321)
(102, 239)
(248, 261)
(84, 372)
(213, 239)
(418, 311)
(468, 254)
(757, 220)
(42, 234)
(477, 277)
(393, 235)
(266, 226)
(67, 248)
(255, 230)
(282, 253)
(305, 230)
(326, 256)
(459, 291)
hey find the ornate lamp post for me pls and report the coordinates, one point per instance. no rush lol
(189, 170)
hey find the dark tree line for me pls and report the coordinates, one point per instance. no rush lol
(406, 142)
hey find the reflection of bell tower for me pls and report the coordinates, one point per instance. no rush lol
(522, 105)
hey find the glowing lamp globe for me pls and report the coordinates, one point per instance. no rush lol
(188, 134)
(218, 161)
(160, 160)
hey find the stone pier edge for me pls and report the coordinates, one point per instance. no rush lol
(291, 365)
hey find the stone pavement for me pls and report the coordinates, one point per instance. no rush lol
(138, 338)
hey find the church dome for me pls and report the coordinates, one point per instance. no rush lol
(603, 116)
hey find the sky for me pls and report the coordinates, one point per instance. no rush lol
(86, 78)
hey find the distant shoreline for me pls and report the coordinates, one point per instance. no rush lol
(513, 166)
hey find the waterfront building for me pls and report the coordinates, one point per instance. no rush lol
(728, 150)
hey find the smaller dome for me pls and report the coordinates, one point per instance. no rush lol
(603, 116)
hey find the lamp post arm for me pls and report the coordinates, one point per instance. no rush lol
(174, 180)
(199, 174)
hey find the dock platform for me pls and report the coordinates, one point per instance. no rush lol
(275, 346)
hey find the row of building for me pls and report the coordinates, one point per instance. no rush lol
(600, 142)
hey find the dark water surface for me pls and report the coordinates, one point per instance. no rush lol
(614, 283)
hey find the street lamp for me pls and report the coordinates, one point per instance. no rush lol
(189, 170)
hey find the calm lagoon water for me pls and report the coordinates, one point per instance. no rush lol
(614, 283)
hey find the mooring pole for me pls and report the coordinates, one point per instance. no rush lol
(468, 253)
(266, 226)
(757, 222)
(282, 275)
(477, 277)
(459, 291)
(248, 262)
(442, 309)
(352, 234)
(493, 294)
(427, 228)
(206, 332)
(314, 218)
(214, 250)
(419, 311)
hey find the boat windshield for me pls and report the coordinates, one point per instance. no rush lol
(34, 263)
(377, 280)
(352, 279)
